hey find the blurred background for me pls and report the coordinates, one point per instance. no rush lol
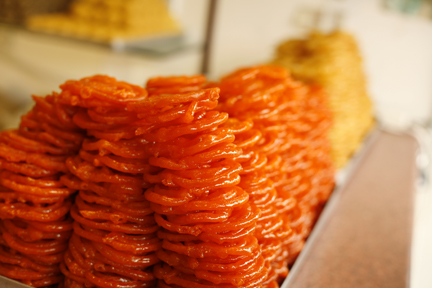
(46, 42)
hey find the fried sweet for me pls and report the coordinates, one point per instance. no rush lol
(115, 234)
(291, 136)
(334, 62)
(35, 224)
(207, 222)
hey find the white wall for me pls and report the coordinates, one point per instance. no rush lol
(397, 49)
(247, 31)
(397, 52)
(192, 14)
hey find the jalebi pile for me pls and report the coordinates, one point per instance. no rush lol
(276, 105)
(35, 225)
(317, 120)
(114, 239)
(333, 61)
(208, 225)
(270, 230)
(182, 184)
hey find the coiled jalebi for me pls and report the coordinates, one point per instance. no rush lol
(114, 239)
(316, 117)
(208, 225)
(173, 190)
(34, 204)
(277, 106)
(254, 181)
(270, 228)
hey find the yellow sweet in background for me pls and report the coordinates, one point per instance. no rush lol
(107, 20)
(334, 62)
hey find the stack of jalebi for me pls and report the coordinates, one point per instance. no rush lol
(34, 204)
(320, 169)
(114, 239)
(334, 62)
(276, 104)
(172, 192)
(208, 224)
(270, 228)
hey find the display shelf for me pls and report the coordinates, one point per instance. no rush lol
(363, 237)
(159, 43)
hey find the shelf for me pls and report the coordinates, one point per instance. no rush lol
(363, 237)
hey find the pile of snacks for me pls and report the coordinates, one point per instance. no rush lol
(34, 203)
(114, 237)
(108, 20)
(208, 224)
(185, 183)
(333, 61)
(285, 157)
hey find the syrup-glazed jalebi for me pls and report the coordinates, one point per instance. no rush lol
(34, 205)
(207, 223)
(114, 239)
(276, 105)
(254, 181)
(172, 192)
(318, 166)
(270, 227)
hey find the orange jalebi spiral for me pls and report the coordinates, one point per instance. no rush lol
(277, 106)
(34, 204)
(270, 228)
(320, 169)
(254, 180)
(208, 224)
(114, 239)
